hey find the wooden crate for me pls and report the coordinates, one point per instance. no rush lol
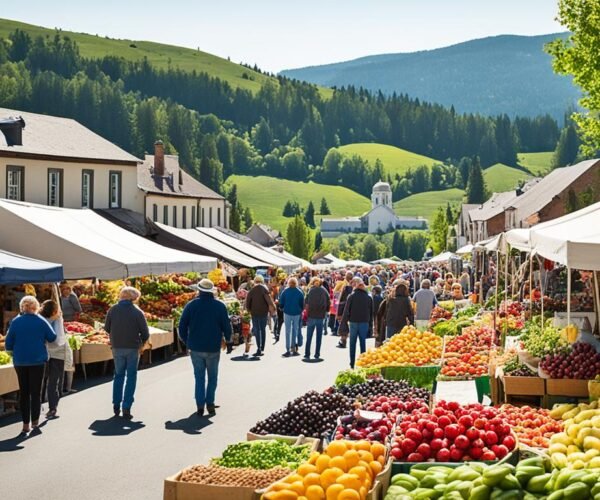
(8, 379)
(175, 489)
(567, 387)
(94, 353)
(524, 386)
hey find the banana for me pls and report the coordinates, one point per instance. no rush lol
(558, 411)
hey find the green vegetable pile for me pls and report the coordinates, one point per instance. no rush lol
(540, 342)
(263, 455)
(451, 327)
(75, 341)
(4, 358)
(354, 377)
(468, 312)
(531, 478)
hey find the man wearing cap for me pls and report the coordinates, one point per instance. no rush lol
(259, 304)
(317, 307)
(203, 324)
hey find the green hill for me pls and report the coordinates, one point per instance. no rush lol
(536, 163)
(426, 204)
(500, 177)
(160, 55)
(395, 160)
(266, 197)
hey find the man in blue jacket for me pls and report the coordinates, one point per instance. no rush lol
(203, 324)
(291, 301)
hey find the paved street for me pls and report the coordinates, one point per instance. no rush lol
(86, 454)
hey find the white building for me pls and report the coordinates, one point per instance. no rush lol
(381, 217)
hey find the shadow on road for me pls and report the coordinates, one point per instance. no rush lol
(12, 444)
(311, 361)
(190, 425)
(244, 358)
(114, 426)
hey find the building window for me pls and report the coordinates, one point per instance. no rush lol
(193, 217)
(155, 212)
(184, 218)
(55, 188)
(114, 190)
(166, 215)
(87, 189)
(202, 222)
(175, 216)
(219, 216)
(210, 217)
(15, 183)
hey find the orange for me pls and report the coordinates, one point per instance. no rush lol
(366, 456)
(376, 467)
(362, 445)
(281, 495)
(322, 462)
(349, 494)
(381, 459)
(339, 462)
(334, 491)
(315, 492)
(360, 471)
(293, 478)
(352, 457)
(350, 481)
(329, 477)
(298, 487)
(305, 469)
(336, 448)
(312, 478)
(378, 449)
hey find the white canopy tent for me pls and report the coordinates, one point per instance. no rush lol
(288, 255)
(332, 261)
(357, 263)
(495, 244)
(443, 257)
(464, 250)
(88, 245)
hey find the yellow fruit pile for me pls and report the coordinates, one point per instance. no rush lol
(346, 470)
(409, 347)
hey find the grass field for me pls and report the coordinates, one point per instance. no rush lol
(266, 197)
(426, 204)
(160, 55)
(500, 177)
(395, 160)
(536, 163)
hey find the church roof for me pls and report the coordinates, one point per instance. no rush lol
(382, 186)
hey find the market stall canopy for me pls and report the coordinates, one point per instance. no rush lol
(357, 263)
(248, 247)
(464, 250)
(190, 240)
(288, 255)
(572, 240)
(332, 261)
(387, 262)
(494, 244)
(519, 239)
(16, 269)
(88, 245)
(443, 257)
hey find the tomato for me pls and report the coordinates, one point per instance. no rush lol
(443, 455)
(462, 442)
(490, 438)
(472, 434)
(509, 442)
(451, 431)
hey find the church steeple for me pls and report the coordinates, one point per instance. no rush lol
(381, 195)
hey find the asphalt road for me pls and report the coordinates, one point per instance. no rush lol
(88, 454)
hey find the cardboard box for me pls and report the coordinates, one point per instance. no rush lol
(94, 353)
(8, 379)
(524, 386)
(567, 387)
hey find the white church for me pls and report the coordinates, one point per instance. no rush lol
(381, 217)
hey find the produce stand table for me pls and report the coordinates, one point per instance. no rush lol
(8, 379)
(94, 353)
(158, 339)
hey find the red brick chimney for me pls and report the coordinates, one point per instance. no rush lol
(159, 159)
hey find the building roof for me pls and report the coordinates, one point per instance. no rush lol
(466, 208)
(169, 183)
(388, 209)
(268, 230)
(342, 219)
(537, 197)
(64, 138)
(492, 207)
(382, 186)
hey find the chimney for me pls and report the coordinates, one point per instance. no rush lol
(12, 128)
(159, 159)
(180, 178)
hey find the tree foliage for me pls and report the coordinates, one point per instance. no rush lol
(324, 208)
(298, 239)
(476, 188)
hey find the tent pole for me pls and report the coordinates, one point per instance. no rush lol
(541, 292)
(596, 302)
(568, 295)
(496, 284)
(530, 281)
(505, 295)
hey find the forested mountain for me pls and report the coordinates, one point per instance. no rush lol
(496, 75)
(287, 129)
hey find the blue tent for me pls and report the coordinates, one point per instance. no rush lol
(16, 269)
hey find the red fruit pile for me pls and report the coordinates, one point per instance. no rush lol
(533, 426)
(582, 362)
(510, 308)
(354, 428)
(467, 354)
(78, 328)
(453, 433)
(393, 406)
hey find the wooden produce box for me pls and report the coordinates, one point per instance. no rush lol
(567, 387)
(524, 386)
(94, 353)
(161, 339)
(8, 379)
(175, 489)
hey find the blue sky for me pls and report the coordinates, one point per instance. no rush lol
(287, 34)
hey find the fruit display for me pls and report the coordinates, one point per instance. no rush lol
(451, 327)
(225, 476)
(532, 426)
(510, 308)
(375, 388)
(314, 414)
(263, 455)
(5, 358)
(355, 376)
(531, 478)
(452, 433)
(98, 337)
(346, 470)
(580, 361)
(539, 342)
(360, 426)
(76, 327)
(93, 309)
(467, 354)
(393, 406)
(409, 347)
(578, 447)
(439, 313)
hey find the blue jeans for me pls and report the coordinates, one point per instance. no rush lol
(259, 329)
(313, 323)
(205, 363)
(293, 337)
(126, 362)
(357, 331)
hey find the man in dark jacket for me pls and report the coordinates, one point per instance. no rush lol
(358, 318)
(126, 325)
(259, 304)
(203, 324)
(317, 307)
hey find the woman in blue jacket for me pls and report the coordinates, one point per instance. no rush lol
(292, 303)
(26, 338)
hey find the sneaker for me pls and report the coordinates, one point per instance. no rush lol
(286, 354)
(211, 410)
(117, 410)
(341, 345)
(51, 414)
(262, 353)
(127, 414)
(306, 356)
(256, 354)
(317, 356)
(200, 411)
(296, 353)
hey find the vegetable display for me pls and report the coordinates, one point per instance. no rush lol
(356, 376)
(5, 358)
(409, 347)
(539, 341)
(75, 342)
(225, 476)
(263, 455)
(581, 361)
